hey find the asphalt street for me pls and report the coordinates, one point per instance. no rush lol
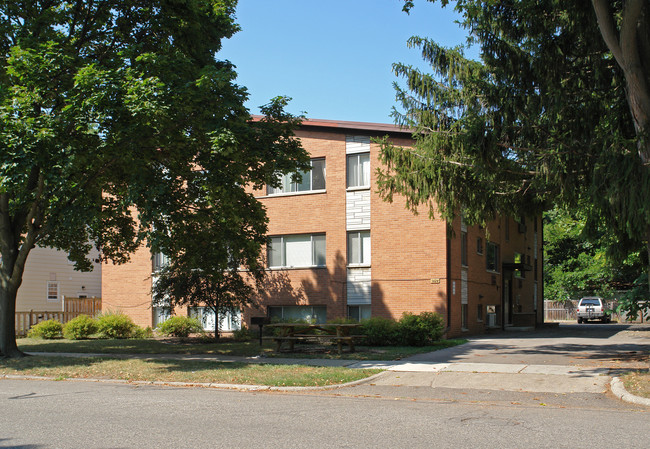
(548, 388)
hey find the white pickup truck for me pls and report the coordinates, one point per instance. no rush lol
(592, 308)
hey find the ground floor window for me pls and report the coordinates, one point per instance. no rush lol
(52, 291)
(479, 312)
(160, 314)
(228, 322)
(313, 314)
(359, 313)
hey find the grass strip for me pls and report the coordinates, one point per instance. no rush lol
(182, 371)
(637, 383)
(226, 348)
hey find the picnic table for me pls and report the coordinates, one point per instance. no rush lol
(292, 332)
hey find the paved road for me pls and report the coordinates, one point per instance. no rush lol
(48, 414)
(543, 389)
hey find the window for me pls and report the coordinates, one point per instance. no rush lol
(359, 170)
(305, 250)
(463, 249)
(160, 314)
(312, 180)
(519, 259)
(479, 312)
(359, 248)
(479, 245)
(52, 291)
(228, 322)
(359, 313)
(492, 256)
(158, 262)
(312, 314)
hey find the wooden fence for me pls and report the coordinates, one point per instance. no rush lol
(72, 308)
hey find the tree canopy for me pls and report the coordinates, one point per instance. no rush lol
(119, 126)
(554, 112)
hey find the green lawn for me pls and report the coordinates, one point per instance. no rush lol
(181, 371)
(225, 347)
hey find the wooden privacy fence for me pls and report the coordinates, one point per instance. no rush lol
(72, 308)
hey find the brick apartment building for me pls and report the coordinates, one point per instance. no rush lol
(338, 250)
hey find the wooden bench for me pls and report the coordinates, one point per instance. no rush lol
(291, 333)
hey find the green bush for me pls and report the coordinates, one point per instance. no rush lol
(379, 331)
(48, 329)
(243, 334)
(142, 332)
(419, 330)
(180, 326)
(80, 328)
(116, 325)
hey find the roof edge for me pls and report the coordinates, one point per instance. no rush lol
(343, 124)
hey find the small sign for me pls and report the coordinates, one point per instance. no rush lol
(491, 309)
(435, 280)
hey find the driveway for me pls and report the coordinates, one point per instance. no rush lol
(613, 346)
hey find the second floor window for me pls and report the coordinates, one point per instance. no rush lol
(492, 256)
(311, 180)
(359, 248)
(296, 251)
(358, 170)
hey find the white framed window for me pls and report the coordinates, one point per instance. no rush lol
(52, 291)
(359, 248)
(312, 180)
(158, 262)
(463, 317)
(295, 251)
(359, 313)
(492, 257)
(358, 170)
(160, 314)
(311, 314)
(228, 322)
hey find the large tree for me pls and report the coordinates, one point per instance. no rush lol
(556, 111)
(119, 126)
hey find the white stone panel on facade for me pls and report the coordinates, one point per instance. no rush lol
(357, 144)
(359, 286)
(357, 209)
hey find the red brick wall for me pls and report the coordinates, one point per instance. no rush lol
(408, 254)
(127, 287)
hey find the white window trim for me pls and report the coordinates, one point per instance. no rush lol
(284, 257)
(363, 264)
(47, 291)
(304, 192)
(357, 155)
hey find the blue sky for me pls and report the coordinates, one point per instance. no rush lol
(332, 57)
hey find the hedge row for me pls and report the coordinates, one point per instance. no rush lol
(108, 325)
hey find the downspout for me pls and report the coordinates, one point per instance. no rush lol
(448, 285)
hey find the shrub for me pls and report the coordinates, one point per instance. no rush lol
(80, 328)
(142, 332)
(180, 326)
(116, 325)
(419, 330)
(243, 334)
(48, 329)
(379, 331)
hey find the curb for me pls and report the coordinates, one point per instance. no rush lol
(618, 389)
(241, 387)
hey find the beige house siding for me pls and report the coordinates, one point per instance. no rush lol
(49, 265)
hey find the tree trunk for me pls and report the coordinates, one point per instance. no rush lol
(216, 324)
(8, 346)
